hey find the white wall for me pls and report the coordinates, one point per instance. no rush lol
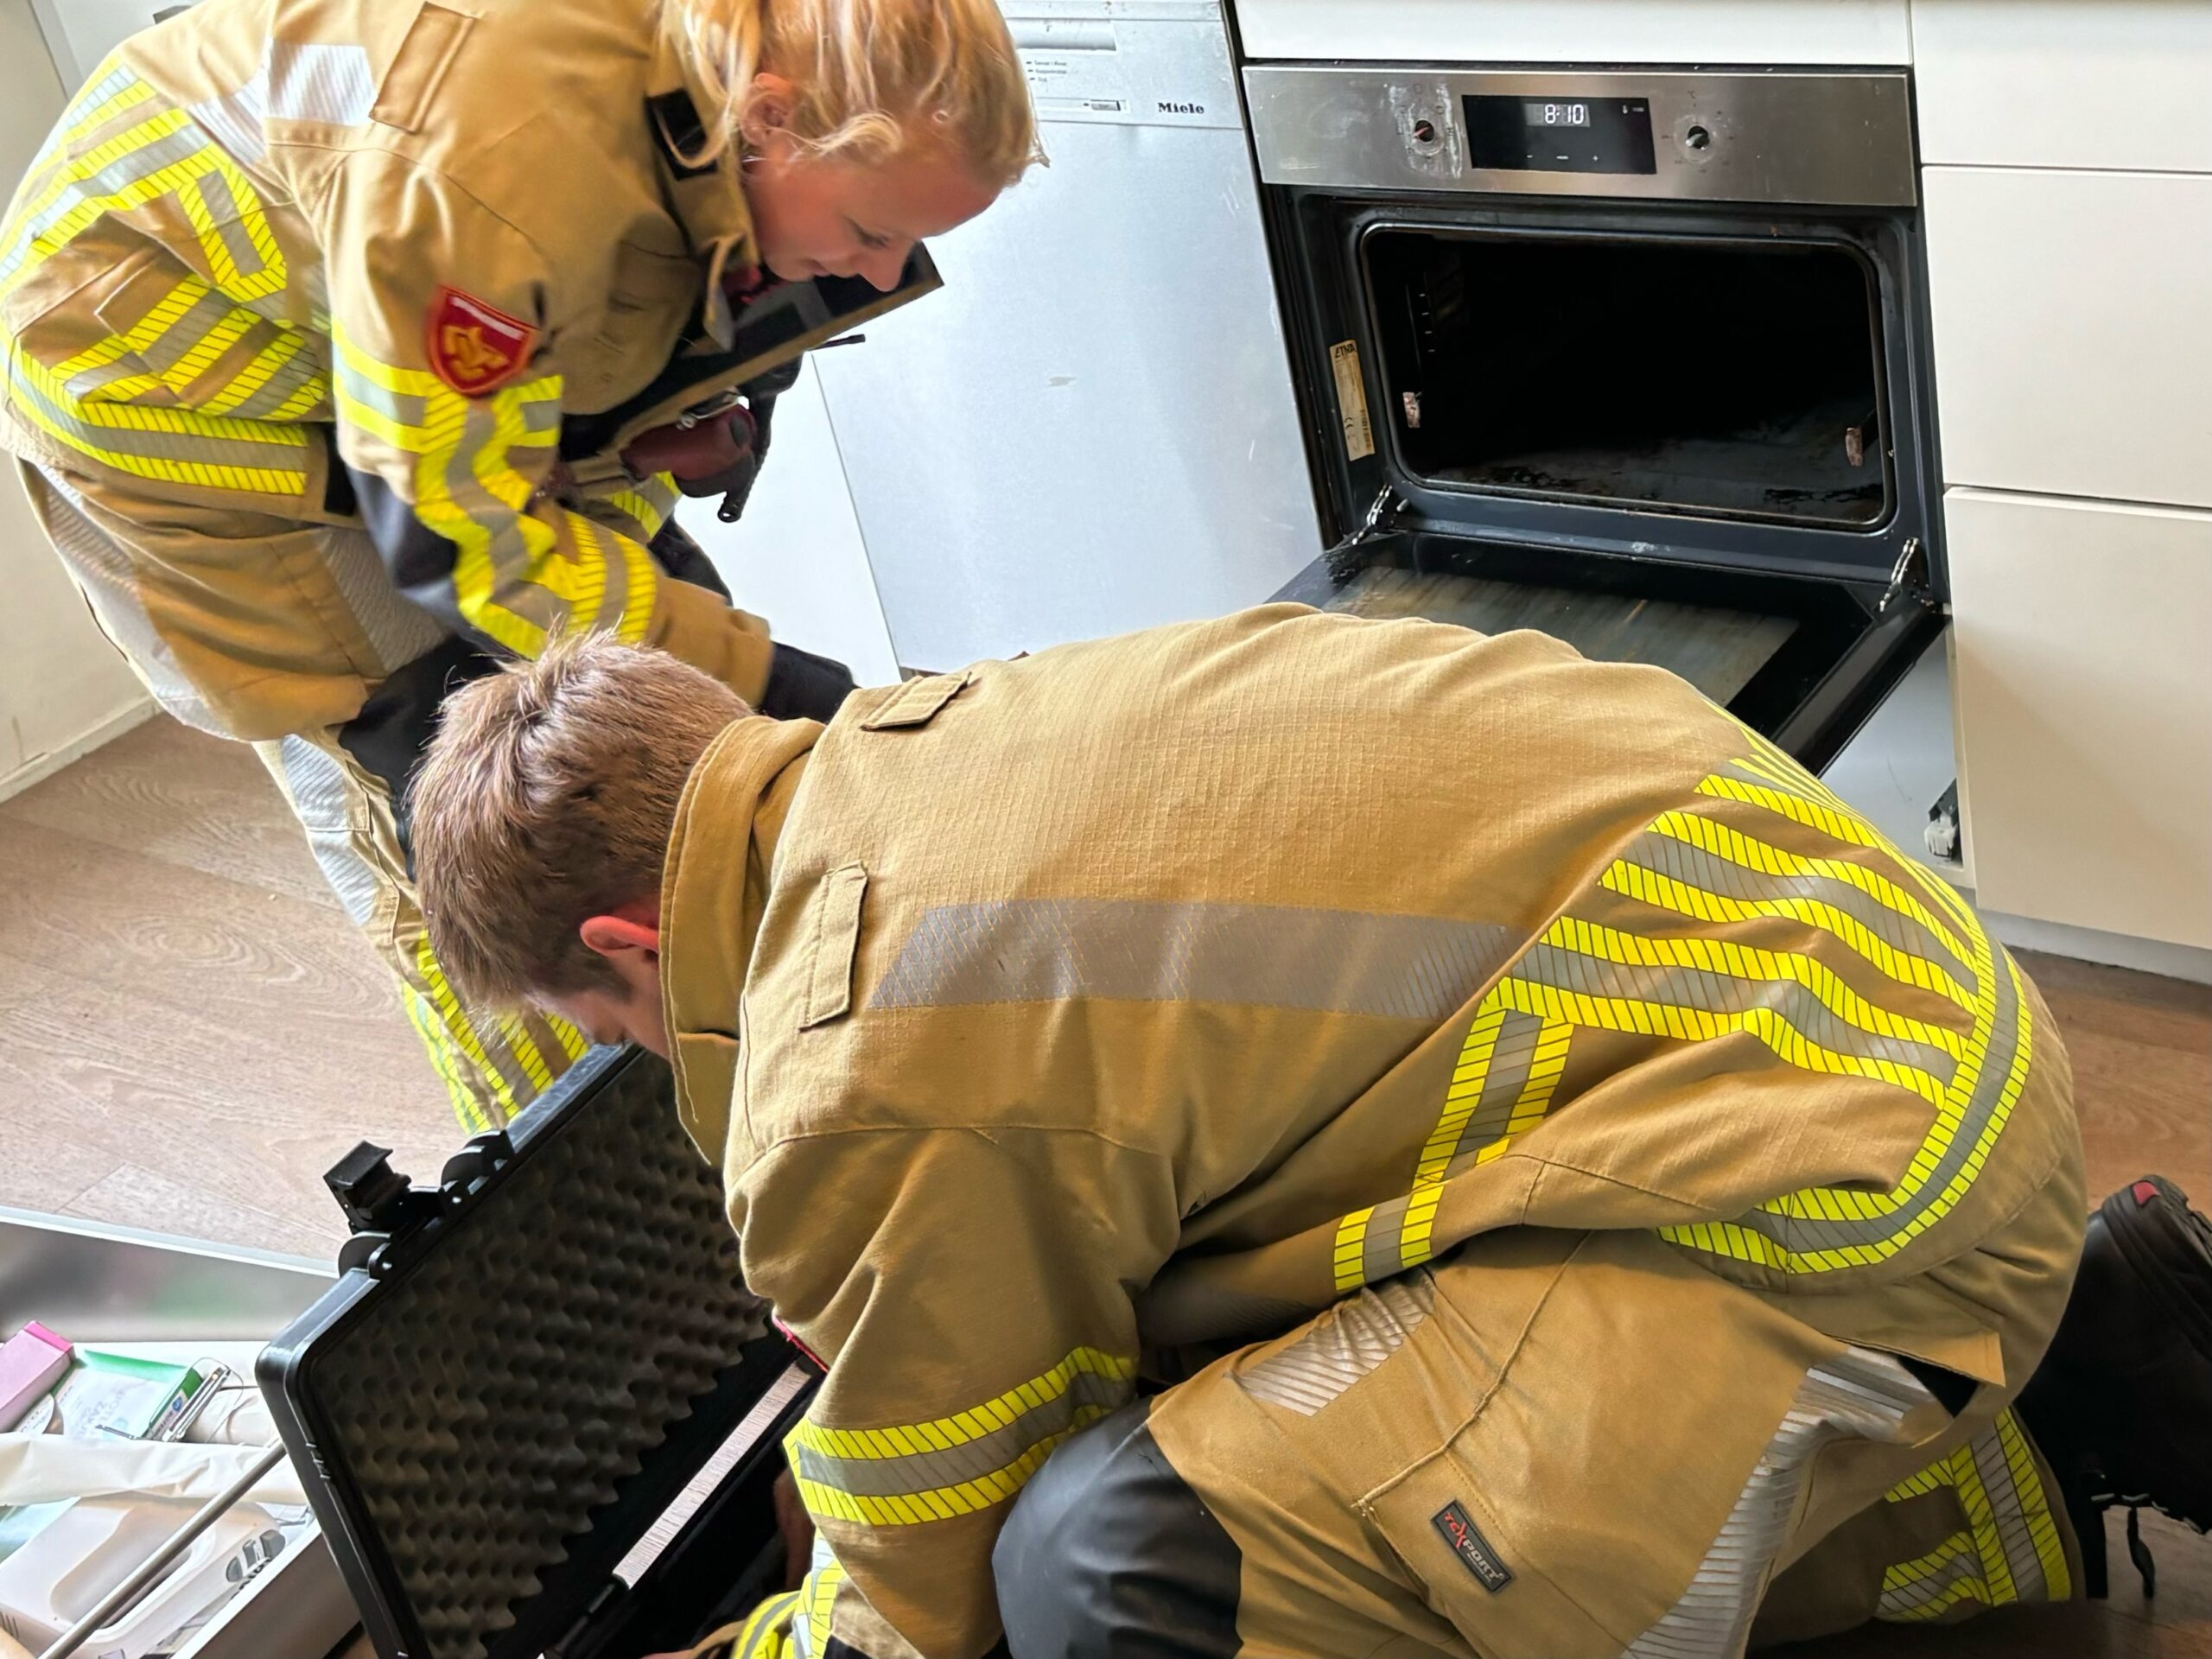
(63, 690)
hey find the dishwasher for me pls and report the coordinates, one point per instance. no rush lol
(1092, 427)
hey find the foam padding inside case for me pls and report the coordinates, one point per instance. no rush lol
(492, 1398)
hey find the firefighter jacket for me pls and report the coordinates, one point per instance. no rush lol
(389, 264)
(1058, 1017)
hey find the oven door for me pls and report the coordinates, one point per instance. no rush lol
(1695, 434)
(1805, 660)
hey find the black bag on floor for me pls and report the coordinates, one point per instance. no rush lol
(521, 1369)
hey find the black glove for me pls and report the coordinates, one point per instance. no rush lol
(803, 686)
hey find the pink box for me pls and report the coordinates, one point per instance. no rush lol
(31, 1362)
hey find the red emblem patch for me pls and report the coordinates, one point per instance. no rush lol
(475, 348)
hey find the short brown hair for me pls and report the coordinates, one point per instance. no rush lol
(547, 798)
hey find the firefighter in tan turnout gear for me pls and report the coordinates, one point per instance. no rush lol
(355, 345)
(1300, 1135)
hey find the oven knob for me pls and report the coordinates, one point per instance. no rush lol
(1698, 138)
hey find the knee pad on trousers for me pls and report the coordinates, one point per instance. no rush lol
(1109, 1555)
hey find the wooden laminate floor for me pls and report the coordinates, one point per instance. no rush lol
(195, 1034)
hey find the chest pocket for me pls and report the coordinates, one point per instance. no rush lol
(917, 702)
(615, 358)
(834, 942)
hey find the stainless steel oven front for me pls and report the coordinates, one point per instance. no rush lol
(1638, 356)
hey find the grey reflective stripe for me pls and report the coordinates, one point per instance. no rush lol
(1694, 866)
(1334, 961)
(398, 630)
(1801, 1234)
(192, 326)
(400, 408)
(111, 587)
(1903, 1601)
(1502, 1082)
(227, 213)
(910, 1473)
(508, 552)
(321, 800)
(119, 174)
(285, 449)
(606, 547)
(313, 82)
(541, 414)
(1707, 992)
(1859, 1396)
(1345, 1343)
(288, 377)
(1382, 1251)
(2009, 1515)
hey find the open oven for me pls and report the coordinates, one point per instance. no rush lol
(1635, 357)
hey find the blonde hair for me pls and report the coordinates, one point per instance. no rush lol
(872, 77)
(547, 798)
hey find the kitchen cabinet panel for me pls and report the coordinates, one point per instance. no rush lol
(2033, 83)
(1579, 31)
(2073, 333)
(2084, 706)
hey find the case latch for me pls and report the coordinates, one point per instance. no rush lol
(378, 1202)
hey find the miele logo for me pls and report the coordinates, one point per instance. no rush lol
(1170, 107)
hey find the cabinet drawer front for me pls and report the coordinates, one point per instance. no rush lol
(2073, 332)
(2084, 692)
(2029, 83)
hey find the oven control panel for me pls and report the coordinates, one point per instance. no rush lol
(1784, 137)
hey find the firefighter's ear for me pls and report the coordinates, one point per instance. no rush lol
(618, 937)
(768, 111)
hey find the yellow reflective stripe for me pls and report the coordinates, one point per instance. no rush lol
(962, 1426)
(1919, 1209)
(524, 1048)
(765, 1633)
(100, 114)
(1744, 961)
(1665, 893)
(1351, 1251)
(2010, 1549)
(456, 1023)
(2035, 1505)
(181, 428)
(817, 1605)
(1837, 826)
(309, 395)
(640, 595)
(1690, 1024)
(919, 1446)
(571, 1040)
(255, 374)
(1763, 858)
(439, 1045)
(1545, 1069)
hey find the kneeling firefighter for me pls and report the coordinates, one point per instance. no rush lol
(353, 346)
(1495, 1159)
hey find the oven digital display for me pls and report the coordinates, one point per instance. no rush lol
(1515, 133)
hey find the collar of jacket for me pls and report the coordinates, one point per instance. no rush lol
(709, 200)
(714, 891)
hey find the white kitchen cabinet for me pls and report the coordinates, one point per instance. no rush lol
(2073, 330)
(2084, 689)
(2036, 83)
(1579, 31)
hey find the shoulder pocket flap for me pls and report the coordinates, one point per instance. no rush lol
(419, 69)
(917, 702)
(836, 940)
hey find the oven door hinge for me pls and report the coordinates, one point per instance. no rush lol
(1910, 575)
(1343, 558)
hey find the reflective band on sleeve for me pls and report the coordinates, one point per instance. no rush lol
(954, 1465)
(515, 576)
(2009, 1550)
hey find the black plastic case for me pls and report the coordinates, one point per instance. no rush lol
(520, 1369)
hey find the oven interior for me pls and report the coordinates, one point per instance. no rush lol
(1720, 377)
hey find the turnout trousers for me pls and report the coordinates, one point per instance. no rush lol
(1552, 1445)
